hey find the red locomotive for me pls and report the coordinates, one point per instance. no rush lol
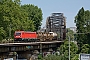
(25, 36)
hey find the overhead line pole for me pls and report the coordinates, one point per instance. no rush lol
(69, 43)
(69, 47)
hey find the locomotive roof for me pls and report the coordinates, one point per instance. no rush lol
(26, 31)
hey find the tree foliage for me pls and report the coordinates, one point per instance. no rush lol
(2, 33)
(79, 20)
(64, 49)
(76, 57)
(13, 17)
(82, 21)
(53, 57)
(85, 49)
(34, 14)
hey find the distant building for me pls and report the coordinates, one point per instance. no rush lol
(73, 29)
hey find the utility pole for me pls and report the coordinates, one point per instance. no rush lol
(69, 47)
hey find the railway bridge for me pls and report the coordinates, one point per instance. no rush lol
(25, 50)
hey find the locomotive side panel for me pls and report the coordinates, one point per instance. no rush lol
(29, 35)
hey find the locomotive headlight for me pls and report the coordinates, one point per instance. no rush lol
(18, 36)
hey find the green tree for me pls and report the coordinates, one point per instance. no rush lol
(2, 33)
(79, 20)
(76, 57)
(52, 57)
(64, 50)
(13, 17)
(87, 22)
(82, 21)
(85, 49)
(34, 14)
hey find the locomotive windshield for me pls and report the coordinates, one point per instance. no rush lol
(18, 34)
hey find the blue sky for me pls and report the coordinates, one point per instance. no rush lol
(69, 7)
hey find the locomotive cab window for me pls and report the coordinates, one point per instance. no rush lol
(17, 34)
